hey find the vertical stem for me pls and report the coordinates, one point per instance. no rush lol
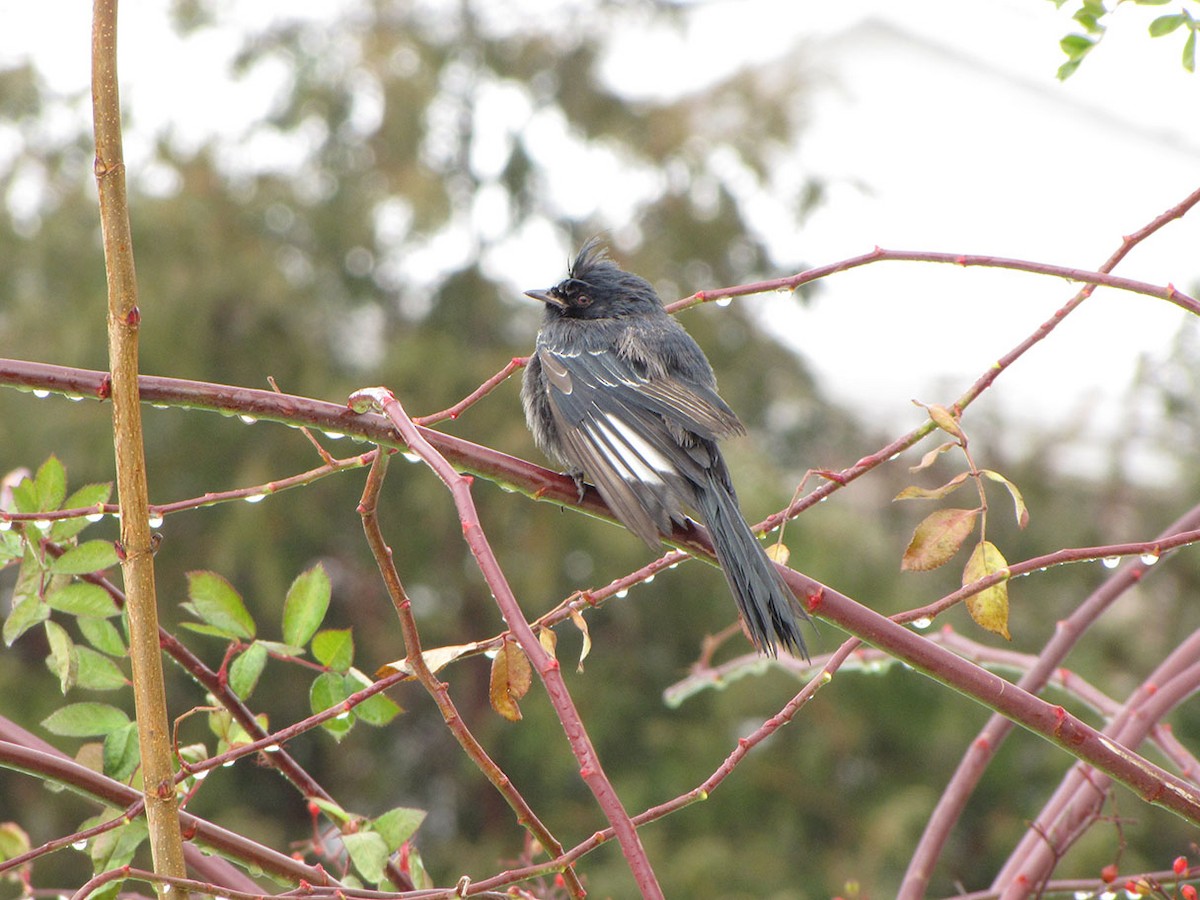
(162, 811)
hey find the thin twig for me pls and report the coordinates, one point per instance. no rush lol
(544, 664)
(368, 509)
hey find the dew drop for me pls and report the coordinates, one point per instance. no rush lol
(156, 521)
(94, 517)
(623, 593)
(922, 623)
(410, 456)
(79, 845)
(42, 524)
(166, 888)
(647, 579)
(1110, 562)
(41, 395)
(74, 398)
(160, 406)
(673, 566)
(249, 420)
(228, 763)
(275, 748)
(723, 301)
(333, 435)
(1149, 559)
(255, 498)
(201, 774)
(344, 714)
(5, 525)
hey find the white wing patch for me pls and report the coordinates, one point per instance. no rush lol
(634, 452)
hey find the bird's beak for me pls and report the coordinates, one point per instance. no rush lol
(545, 297)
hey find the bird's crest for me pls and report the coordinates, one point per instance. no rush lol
(592, 255)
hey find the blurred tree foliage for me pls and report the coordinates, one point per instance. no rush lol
(426, 144)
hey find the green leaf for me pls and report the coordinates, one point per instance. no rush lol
(62, 660)
(397, 825)
(278, 648)
(378, 709)
(214, 601)
(87, 496)
(1189, 52)
(114, 849)
(305, 605)
(1067, 69)
(1076, 46)
(1166, 24)
(1153, 2)
(88, 557)
(50, 484)
(1089, 20)
(369, 854)
(121, 752)
(13, 841)
(245, 670)
(25, 496)
(27, 612)
(331, 809)
(334, 648)
(84, 720)
(98, 672)
(329, 690)
(103, 635)
(12, 546)
(82, 598)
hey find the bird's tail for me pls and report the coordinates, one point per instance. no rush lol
(768, 607)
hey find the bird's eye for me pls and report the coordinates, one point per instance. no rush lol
(583, 300)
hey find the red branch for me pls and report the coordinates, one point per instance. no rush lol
(590, 769)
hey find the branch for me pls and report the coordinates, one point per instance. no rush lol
(54, 767)
(149, 694)
(544, 664)
(542, 484)
(437, 689)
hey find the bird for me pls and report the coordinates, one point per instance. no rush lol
(618, 392)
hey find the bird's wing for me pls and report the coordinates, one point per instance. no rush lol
(624, 429)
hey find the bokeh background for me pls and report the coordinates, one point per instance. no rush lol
(356, 193)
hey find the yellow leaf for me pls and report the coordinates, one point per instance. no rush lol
(510, 680)
(937, 538)
(989, 608)
(549, 640)
(778, 552)
(945, 420)
(931, 457)
(1022, 513)
(912, 492)
(581, 624)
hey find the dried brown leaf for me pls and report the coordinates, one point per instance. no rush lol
(510, 680)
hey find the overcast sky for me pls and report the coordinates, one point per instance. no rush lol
(938, 125)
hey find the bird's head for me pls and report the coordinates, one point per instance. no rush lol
(595, 288)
